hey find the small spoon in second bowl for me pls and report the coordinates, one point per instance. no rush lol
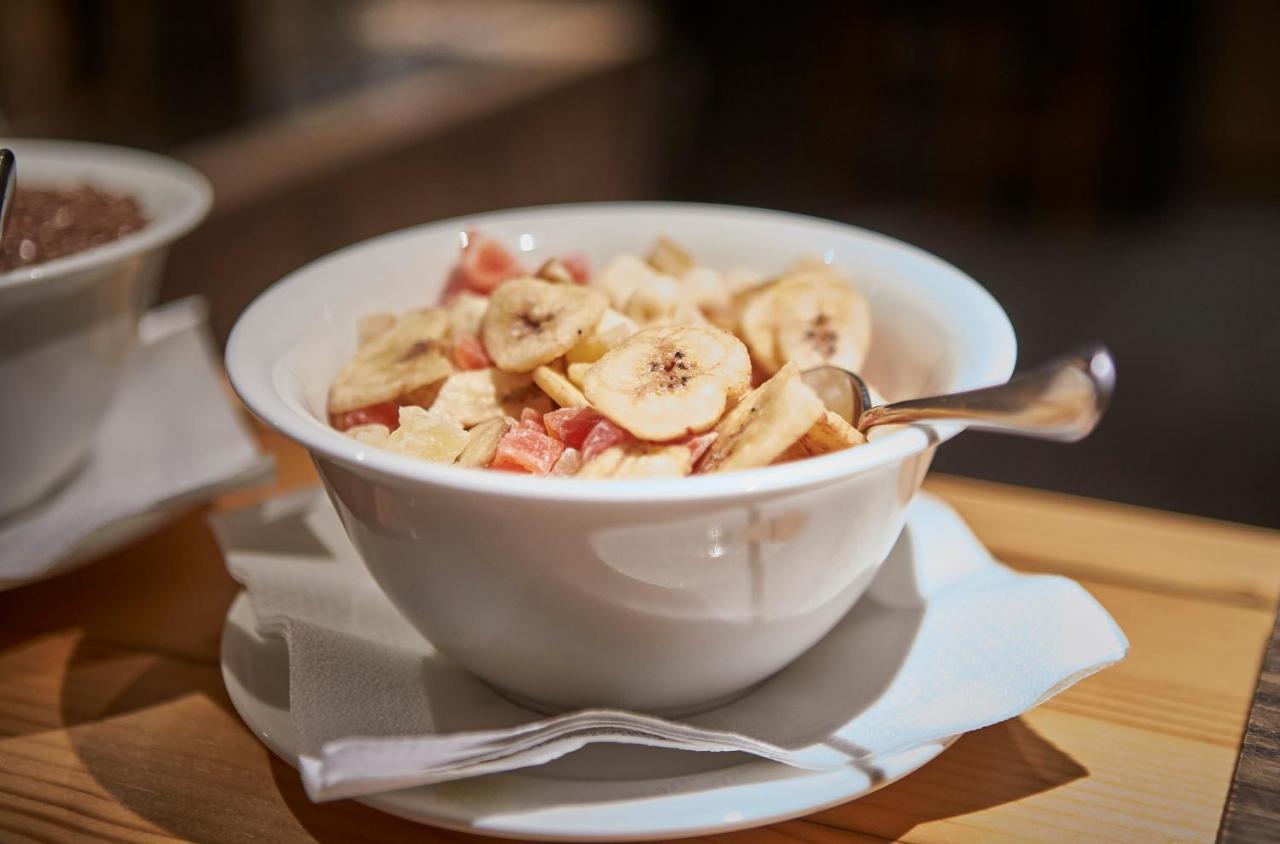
(8, 174)
(1060, 400)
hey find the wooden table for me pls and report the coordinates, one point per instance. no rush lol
(114, 725)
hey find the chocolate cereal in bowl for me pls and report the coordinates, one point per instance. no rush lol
(86, 237)
(572, 446)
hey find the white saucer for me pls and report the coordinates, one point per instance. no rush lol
(619, 793)
(600, 793)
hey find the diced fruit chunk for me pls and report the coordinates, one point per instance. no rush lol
(568, 464)
(532, 420)
(485, 263)
(571, 425)
(469, 353)
(385, 413)
(576, 264)
(523, 449)
(604, 435)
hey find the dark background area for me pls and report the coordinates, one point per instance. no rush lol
(1106, 170)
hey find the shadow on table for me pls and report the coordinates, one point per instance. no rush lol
(1000, 764)
(132, 630)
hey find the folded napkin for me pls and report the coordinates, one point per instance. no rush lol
(948, 641)
(172, 436)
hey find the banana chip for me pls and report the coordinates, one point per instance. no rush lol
(555, 272)
(470, 398)
(755, 326)
(830, 433)
(663, 301)
(765, 424)
(577, 372)
(666, 256)
(559, 388)
(482, 442)
(466, 311)
(400, 361)
(639, 460)
(812, 318)
(531, 322)
(427, 435)
(371, 325)
(370, 434)
(623, 276)
(821, 321)
(665, 383)
(611, 330)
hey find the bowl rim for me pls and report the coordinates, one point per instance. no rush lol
(179, 177)
(254, 380)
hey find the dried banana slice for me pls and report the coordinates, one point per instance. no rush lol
(663, 301)
(370, 434)
(554, 271)
(531, 322)
(623, 276)
(482, 442)
(561, 390)
(403, 359)
(665, 383)
(830, 433)
(371, 325)
(756, 327)
(811, 317)
(611, 330)
(466, 310)
(427, 435)
(470, 398)
(764, 424)
(639, 460)
(820, 320)
(709, 292)
(611, 321)
(666, 256)
(577, 372)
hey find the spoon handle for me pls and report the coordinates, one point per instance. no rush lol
(1059, 400)
(8, 168)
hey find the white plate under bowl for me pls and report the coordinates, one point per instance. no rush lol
(600, 793)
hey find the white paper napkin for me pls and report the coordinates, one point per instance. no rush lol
(950, 641)
(171, 437)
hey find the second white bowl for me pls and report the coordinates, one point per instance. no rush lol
(67, 326)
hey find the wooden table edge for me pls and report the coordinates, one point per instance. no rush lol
(1252, 809)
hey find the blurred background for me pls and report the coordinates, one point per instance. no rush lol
(1106, 170)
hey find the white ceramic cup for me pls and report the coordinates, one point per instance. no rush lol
(67, 325)
(661, 594)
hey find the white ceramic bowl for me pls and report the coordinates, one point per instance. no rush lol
(659, 595)
(67, 325)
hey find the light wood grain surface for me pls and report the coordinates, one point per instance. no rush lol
(114, 725)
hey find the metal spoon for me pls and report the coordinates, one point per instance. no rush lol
(8, 177)
(1059, 400)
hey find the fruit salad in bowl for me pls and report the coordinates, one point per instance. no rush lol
(461, 386)
(652, 367)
